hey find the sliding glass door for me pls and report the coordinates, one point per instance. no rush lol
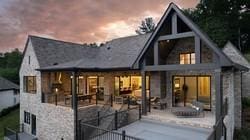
(189, 88)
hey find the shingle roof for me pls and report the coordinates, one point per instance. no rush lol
(6, 84)
(117, 53)
(50, 52)
(235, 55)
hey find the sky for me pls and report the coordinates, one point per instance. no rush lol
(79, 21)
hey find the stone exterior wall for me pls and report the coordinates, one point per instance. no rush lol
(228, 92)
(52, 122)
(245, 84)
(236, 56)
(237, 99)
(186, 45)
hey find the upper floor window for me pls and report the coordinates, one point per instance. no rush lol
(187, 58)
(29, 84)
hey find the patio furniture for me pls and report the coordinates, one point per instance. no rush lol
(161, 104)
(189, 111)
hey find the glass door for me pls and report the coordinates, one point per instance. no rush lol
(204, 91)
(190, 90)
(178, 96)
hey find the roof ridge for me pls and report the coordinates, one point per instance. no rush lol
(57, 40)
(130, 36)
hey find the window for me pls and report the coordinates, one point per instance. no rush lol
(29, 84)
(26, 117)
(187, 58)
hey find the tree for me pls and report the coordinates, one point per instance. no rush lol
(9, 65)
(224, 20)
(147, 26)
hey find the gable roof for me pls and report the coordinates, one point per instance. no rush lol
(50, 52)
(7, 85)
(235, 55)
(225, 61)
(116, 54)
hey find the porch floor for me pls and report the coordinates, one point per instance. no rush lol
(153, 130)
(166, 116)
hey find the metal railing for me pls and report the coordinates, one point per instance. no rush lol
(102, 134)
(219, 129)
(83, 100)
(118, 119)
(110, 122)
(13, 132)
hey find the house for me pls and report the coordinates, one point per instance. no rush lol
(9, 94)
(63, 82)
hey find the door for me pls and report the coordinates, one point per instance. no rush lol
(33, 124)
(192, 88)
(178, 96)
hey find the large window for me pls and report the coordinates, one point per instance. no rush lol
(187, 58)
(129, 85)
(29, 84)
(189, 88)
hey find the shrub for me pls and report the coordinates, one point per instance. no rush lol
(245, 102)
(242, 134)
(8, 110)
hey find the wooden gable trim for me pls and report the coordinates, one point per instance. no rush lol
(224, 60)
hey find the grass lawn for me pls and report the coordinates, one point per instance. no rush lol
(12, 119)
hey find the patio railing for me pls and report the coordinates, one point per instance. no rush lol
(102, 126)
(102, 134)
(83, 100)
(219, 129)
(12, 133)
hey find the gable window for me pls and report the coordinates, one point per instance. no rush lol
(187, 58)
(26, 117)
(29, 84)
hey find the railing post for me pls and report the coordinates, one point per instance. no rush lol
(80, 130)
(111, 100)
(215, 131)
(56, 99)
(96, 98)
(128, 102)
(98, 118)
(116, 120)
(123, 135)
(16, 136)
(139, 112)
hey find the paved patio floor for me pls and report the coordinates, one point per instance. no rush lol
(166, 116)
(152, 130)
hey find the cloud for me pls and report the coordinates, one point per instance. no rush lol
(75, 20)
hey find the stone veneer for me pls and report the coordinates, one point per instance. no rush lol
(186, 45)
(228, 92)
(52, 122)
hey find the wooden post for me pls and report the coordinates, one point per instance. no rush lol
(156, 53)
(75, 103)
(174, 23)
(197, 50)
(144, 96)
